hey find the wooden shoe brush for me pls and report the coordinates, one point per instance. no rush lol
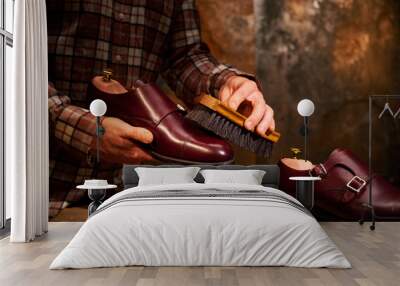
(215, 116)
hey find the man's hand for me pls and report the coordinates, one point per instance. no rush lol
(118, 143)
(243, 95)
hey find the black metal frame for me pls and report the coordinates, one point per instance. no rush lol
(306, 138)
(305, 193)
(369, 206)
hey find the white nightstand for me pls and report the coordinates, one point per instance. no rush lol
(305, 190)
(96, 192)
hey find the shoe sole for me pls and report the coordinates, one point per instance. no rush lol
(186, 162)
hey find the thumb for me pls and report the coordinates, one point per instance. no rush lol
(139, 134)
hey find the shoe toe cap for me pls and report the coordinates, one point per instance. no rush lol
(224, 152)
(212, 151)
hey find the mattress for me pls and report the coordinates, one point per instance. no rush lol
(201, 225)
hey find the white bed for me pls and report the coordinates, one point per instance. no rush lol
(250, 225)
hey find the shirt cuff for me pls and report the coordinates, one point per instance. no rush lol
(222, 73)
(76, 127)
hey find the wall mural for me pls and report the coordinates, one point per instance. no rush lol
(334, 52)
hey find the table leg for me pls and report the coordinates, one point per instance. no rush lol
(97, 197)
(305, 193)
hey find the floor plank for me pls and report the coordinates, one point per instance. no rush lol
(375, 256)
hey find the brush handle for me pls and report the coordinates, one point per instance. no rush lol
(234, 116)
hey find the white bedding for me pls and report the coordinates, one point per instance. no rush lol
(182, 231)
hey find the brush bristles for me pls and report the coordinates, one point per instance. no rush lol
(228, 130)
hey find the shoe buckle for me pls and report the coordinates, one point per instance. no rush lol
(356, 184)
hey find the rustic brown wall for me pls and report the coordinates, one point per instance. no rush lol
(335, 52)
(228, 27)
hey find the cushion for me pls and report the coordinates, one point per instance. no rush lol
(162, 176)
(248, 177)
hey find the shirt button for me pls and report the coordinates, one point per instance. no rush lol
(118, 57)
(121, 16)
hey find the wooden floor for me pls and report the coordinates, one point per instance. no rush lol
(375, 257)
(76, 213)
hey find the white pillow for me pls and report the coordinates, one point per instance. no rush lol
(163, 176)
(248, 177)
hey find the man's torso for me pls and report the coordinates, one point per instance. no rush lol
(86, 36)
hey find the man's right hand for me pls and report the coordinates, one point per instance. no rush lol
(118, 142)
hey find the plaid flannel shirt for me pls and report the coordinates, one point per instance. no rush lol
(137, 39)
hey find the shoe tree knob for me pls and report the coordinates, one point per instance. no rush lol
(295, 151)
(107, 74)
(106, 84)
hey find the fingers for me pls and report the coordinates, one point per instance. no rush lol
(139, 134)
(238, 90)
(233, 83)
(242, 93)
(267, 121)
(224, 94)
(137, 156)
(122, 143)
(272, 128)
(259, 107)
(133, 155)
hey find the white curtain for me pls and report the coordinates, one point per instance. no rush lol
(27, 124)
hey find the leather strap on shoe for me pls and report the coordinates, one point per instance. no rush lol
(355, 184)
(156, 103)
(319, 171)
(179, 109)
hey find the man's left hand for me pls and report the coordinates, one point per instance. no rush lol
(242, 93)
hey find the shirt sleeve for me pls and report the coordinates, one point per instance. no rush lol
(190, 68)
(74, 126)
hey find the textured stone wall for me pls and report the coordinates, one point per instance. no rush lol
(335, 52)
(228, 27)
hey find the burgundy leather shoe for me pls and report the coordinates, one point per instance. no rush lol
(176, 138)
(343, 191)
(344, 188)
